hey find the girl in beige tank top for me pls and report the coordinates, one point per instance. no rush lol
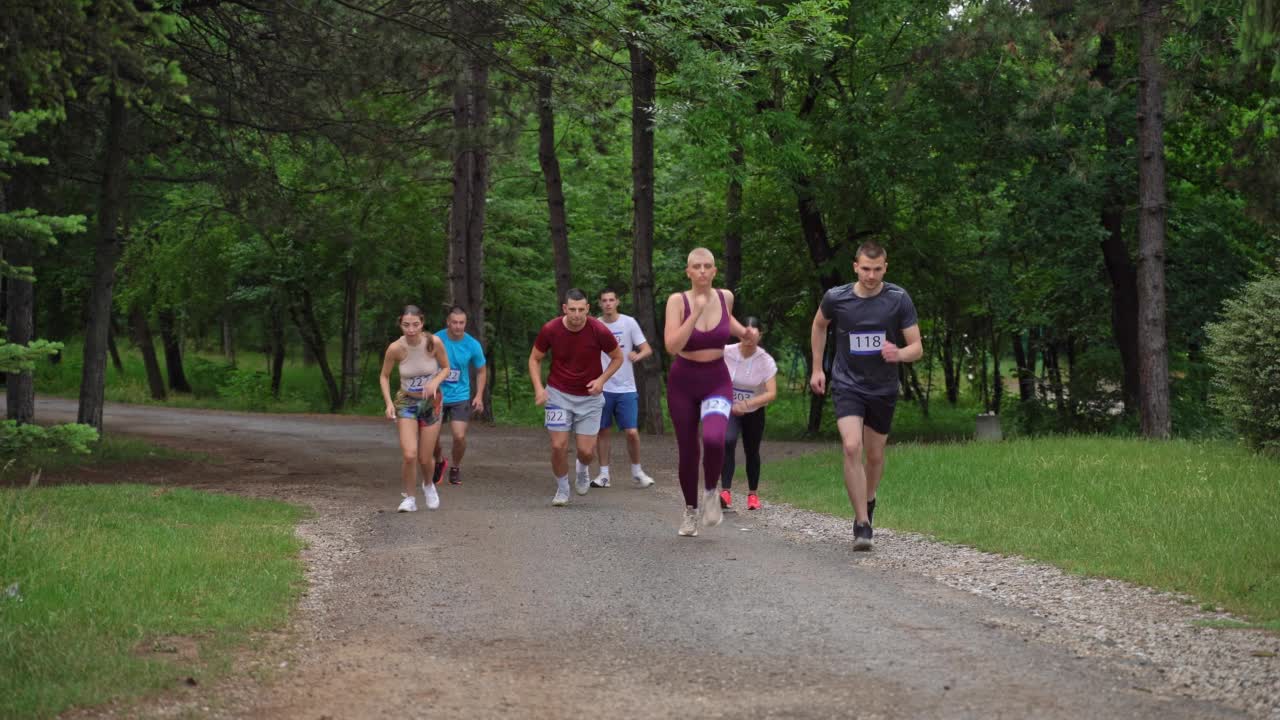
(423, 365)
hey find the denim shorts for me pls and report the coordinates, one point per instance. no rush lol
(425, 410)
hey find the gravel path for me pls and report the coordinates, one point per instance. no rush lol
(498, 605)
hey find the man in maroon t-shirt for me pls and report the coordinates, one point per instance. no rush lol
(573, 399)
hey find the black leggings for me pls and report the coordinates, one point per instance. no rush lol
(751, 426)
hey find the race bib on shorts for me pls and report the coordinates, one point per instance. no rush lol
(557, 418)
(866, 343)
(453, 375)
(740, 395)
(417, 383)
(715, 406)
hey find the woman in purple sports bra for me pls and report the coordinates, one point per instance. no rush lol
(699, 392)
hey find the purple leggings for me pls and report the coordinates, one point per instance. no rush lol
(688, 386)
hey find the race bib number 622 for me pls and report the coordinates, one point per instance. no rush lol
(866, 343)
(557, 418)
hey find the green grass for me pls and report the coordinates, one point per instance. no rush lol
(107, 578)
(1201, 518)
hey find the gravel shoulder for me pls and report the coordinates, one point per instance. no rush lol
(498, 605)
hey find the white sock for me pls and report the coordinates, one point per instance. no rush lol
(562, 483)
(582, 469)
(636, 470)
(604, 471)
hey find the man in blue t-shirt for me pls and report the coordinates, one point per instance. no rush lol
(464, 353)
(875, 329)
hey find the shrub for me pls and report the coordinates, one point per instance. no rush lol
(19, 441)
(1244, 348)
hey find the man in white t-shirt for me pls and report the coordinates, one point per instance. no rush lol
(621, 402)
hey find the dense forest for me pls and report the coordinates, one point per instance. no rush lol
(1069, 189)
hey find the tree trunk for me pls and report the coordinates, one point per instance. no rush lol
(922, 396)
(93, 377)
(1124, 281)
(1153, 352)
(950, 367)
(112, 350)
(19, 317)
(276, 328)
(228, 337)
(733, 219)
(470, 180)
(997, 380)
(172, 345)
(551, 176)
(644, 85)
(142, 338)
(350, 335)
(302, 311)
(1026, 373)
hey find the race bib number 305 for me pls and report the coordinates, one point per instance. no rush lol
(557, 418)
(715, 406)
(866, 343)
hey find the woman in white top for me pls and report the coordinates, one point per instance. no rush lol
(754, 386)
(423, 365)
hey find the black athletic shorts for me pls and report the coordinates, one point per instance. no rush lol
(457, 412)
(876, 411)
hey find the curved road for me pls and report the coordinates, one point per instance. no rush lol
(500, 605)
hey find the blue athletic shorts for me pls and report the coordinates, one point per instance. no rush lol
(624, 408)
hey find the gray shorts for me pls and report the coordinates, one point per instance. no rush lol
(579, 413)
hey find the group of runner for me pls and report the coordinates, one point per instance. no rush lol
(435, 388)
(716, 391)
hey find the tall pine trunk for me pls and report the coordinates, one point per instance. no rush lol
(142, 338)
(1153, 351)
(733, 219)
(93, 377)
(1115, 254)
(470, 177)
(275, 327)
(19, 318)
(303, 312)
(550, 163)
(644, 86)
(350, 334)
(172, 343)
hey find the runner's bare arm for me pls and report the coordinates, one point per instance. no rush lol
(911, 352)
(384, 379)
(818, 345)
(535, 375)
(482, 376)
(642, 351)
(595, 387)
(736, 328)
(766, 397)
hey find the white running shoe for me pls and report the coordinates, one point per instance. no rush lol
(408, 504)
(643, 480)
(601, 481)
(432, 496)
(689, 523)
(582, 483)
(562, 497)
(711, 515)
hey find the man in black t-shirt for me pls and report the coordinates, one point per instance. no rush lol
(875, 328)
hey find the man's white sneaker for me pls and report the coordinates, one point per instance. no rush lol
(408, 504)
(689, 523)
(582, 483)
(643, 480)
(562, 497)
(432, 496)
(601, 481)
(711, 515)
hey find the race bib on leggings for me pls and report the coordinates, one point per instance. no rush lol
(557, 418)
(866, 343)
(715, 406)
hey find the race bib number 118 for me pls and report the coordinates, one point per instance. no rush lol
(866, 343)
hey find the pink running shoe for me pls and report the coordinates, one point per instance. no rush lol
(725, 499)
(753, 502)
